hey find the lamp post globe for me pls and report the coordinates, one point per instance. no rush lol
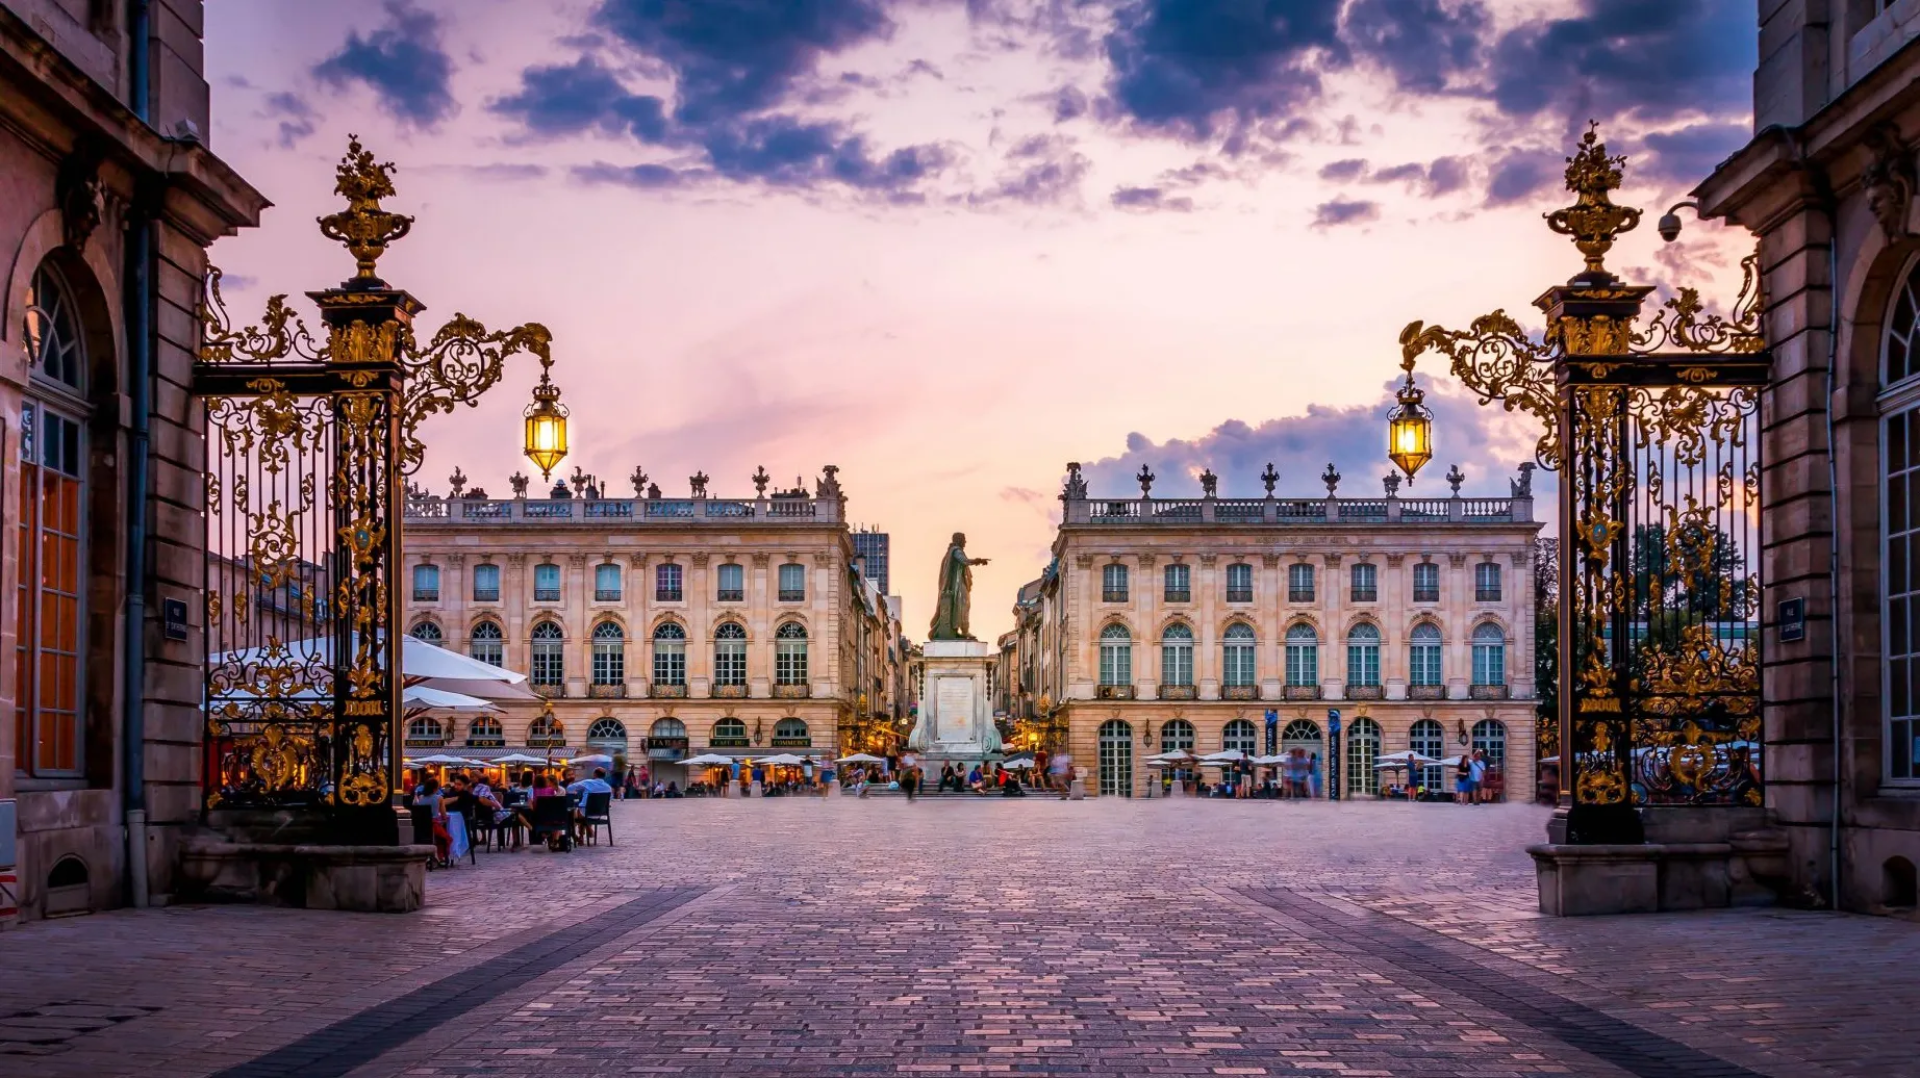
(546, 434)
(1410, 430)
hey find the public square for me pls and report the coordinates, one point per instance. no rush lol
(837, 936)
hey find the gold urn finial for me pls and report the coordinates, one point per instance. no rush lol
(363, 227)
(1593, 220)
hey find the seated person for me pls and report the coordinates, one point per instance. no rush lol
(973, 778)
(672, 790)
(579, 791)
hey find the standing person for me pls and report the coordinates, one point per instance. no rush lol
(1040, 758)
(733, 777)
(1463, 780)
(1061, 772)
(427, 796)
(645, 780)
(1477, 776)
(806, 773)
(909, 781)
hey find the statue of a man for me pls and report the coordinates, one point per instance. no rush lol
(956, 592)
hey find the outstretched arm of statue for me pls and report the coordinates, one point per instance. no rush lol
(977, 561)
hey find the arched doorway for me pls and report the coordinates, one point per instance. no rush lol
(1302, 737)
(1363, 751)
(1176, 734)
(1116, 758)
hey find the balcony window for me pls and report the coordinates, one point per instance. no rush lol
(549, 656)
(1179, 581)
(1303, 656)
(486, 583)
(1426, 583)
(793, 583)
(1366, 583)
(733, 584)
(667, 583)
(669, 654)
(546, 583)
(1238, 652)
(1176, 656)
(426, 583)
(606, 583)
(486, 644)
(1486, 582)
(1423, 653)
(790, 654)
(1489, 655)
(1239, 583)
(1300, 583)
(730, 655)
(1116, 655)
(1113, 584)
(609, 654)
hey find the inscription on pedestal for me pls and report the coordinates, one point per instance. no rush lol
(953, 709)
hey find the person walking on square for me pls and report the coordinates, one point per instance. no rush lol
(1463, 780)
(1477, 775)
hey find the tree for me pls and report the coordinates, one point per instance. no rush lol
(1697, 572)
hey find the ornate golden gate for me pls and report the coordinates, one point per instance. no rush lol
(308, 447)
(1654, 433)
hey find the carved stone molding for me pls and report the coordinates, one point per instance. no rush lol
(1520, 558)
(1147, 561)
(823, 557)
(1208, 561)
(1332, 559)
(1889, 180)
(1083, 561)
(761, 560)
(1394, 561)
(1271, 561)
(577, 561)
(1456, 560)
(699, 560)
(638, 561)
(81, 195)
(457, 561)
(516, 561)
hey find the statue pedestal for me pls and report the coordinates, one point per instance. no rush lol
(956, 716)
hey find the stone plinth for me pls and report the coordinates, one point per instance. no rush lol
(956, 716)
(1577, 881)
(363, 879)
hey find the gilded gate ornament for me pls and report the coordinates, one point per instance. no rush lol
(364, 228)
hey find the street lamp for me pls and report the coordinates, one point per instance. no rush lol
(546, 424)
(1410, 428)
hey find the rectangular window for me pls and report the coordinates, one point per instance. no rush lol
(486, 583)
(1426, 583)
(47, 673)
(1113, 584)
(1116, 663)
(1363, 665)
(793, 583)
(546, 583)
(426, 583)
(667, 583)
(730, 662)
(1179, 584)
(1303, 664)
(733, 584)
(1900, 585)
(1239, 665)
(1300, 583)
(1486, 582)
(1425, 664)
(606, 583)
(1240, 583)
(1176, 662)
(1366, 583)
(669, 661)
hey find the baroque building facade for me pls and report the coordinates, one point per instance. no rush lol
(1214, 623)
(111, 199)
(657, 628)
(1827, 184)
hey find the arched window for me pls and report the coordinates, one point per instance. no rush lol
(607, 732)
(49, 734)
(730, 655)
(1423, 652)
(425, 730)
(1490, 737)
(669, 729)
(1363, 751)
(1176, 734)
(609, 654)
(730, 733)
(428, 631)
(1116, 656)
(486, 732)
(1303, 656)
(1176, 655)
(1240, 734)
(1489, 655)
(790, 654)
(669, 654)
(791, 733)
(1113, 583)
(1428, 739)
(486, 643)
(549, 656)
(1303, 733)
(1900, 530)
(1363, 656)
(1237, 651)
(545, 732)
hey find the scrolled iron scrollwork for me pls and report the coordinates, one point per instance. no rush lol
(1683, 322)
(279, 334)
(1497, 361)
(462, 361)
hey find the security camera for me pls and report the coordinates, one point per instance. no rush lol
(1670, 226)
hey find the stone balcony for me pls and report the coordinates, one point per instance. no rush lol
(794, 507)
(1081, 508)
(662, 691)
(1178, 692)
(1240, 692)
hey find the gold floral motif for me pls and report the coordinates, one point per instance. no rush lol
(1696, 375)
(266, 342)
(1598, 335)
(363, 227)
(1680, 324)
(462, 361)
(1593, 220)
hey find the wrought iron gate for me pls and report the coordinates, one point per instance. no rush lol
(1654, 433)
(308, 445)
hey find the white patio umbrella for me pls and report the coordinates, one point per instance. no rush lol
(1017, 765)
(442, 758)
(429, 698)
(1224, 756)
(1402, 759)
(592, 758)
(710, 759)
(486, 690)
(418, 660)
(519, 758)
(785, 759)
(860, 758)
(1174, 756)
(1270, 761)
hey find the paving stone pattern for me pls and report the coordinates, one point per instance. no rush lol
(815, 937)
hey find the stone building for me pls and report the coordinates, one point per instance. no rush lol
(109, 197)
(1213, 623)
(1828, 186)
(656, 627)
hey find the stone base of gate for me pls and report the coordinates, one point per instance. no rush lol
(1694, 858)
(361, 879)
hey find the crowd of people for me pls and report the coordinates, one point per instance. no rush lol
(467, 804)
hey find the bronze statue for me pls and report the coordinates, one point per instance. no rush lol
(956, 592)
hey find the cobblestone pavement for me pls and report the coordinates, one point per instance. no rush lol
(846, 937)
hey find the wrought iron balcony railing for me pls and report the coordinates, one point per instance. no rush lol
(1301, 692)
(546, 595)
(1179, 596)
(1489, 692)
(1114, 692)
(791, 596)
(1178, 692)
(426, 595)
(1426, 595)
(792, 692)
(661, 690)
(1299, 595)
(597, 691)
(667, 595)
(731, 595)
(1426, 692)
(486, 595)
(728, 692)
(1113, 595)
(1365, 692)
(549, 690)
(1240, 692)
(1239, 595)
(1486, 595)
(1366, 595)
(606, 595)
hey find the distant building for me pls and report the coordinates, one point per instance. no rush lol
(871, 548)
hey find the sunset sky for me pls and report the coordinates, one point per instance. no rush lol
(950, 245)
